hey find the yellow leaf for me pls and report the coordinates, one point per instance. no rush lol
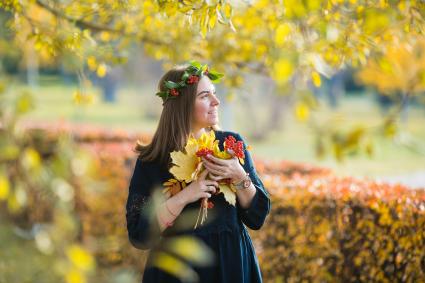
(191, 249)
(75, 276)
(31, 159)
(174, 266)
(316, 79)
(80, 257)
(282, 32)
(375, 21)
(185, 164)
(221, 154)
(302, 112)
(92, 63)
(4, 187)
(212, 18)
(229, 193)
(295, 9)
(228, 10)
(314, 5)
(173, 187)
(283, 69)
(207, 140)
(101, 70)
(261, 50)
(170, 9)
(204, 29)
(105, 36)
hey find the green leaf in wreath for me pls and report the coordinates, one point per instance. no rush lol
(170, 84)
(215, 76)
(195, 64)
(185, 76)
(162, 94)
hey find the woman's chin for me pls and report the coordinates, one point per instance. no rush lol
(213, 122)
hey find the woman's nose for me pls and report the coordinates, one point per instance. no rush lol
(215, 100)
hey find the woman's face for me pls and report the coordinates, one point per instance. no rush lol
(206, 104)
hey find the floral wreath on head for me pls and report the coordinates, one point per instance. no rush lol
(191, 75)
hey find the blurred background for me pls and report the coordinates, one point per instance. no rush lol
(329, 94)
(272, 121)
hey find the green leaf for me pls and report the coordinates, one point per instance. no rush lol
(215, 76)
(162, 94)
(195, 64)
(185, 76)
(170, 84)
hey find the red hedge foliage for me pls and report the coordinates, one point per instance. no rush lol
(321, 228)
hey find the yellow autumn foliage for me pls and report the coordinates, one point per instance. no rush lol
(401, 68)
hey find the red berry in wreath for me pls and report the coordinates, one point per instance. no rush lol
(192, 79)
(174, 92)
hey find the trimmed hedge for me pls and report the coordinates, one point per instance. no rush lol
(321, 228)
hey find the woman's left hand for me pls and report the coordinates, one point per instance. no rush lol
(224, 168)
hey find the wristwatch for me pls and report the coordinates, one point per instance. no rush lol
(244, 183)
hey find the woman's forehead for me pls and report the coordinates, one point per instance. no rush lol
(205, 84)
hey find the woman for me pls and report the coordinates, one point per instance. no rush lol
(192, 109)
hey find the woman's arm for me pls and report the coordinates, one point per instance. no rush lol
(245, 196)
(259, 207)
(168, 211)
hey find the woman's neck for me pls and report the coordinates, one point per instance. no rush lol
(198, 132)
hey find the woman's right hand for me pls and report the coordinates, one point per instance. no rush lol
(200, 188)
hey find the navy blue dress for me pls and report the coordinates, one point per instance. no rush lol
(225, 231)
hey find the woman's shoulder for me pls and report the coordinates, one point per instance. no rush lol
(148, 165)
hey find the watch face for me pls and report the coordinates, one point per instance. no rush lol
(247, 183)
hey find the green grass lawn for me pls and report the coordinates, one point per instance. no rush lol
(137, 109)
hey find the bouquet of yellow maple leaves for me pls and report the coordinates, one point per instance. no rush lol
(187, 166)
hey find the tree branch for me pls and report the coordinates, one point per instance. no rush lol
(79, 22)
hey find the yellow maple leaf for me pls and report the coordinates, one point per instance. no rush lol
(172, 187)
(185, 163)
(220, 154)
(229, 193)
(187, 166)
(207, 140)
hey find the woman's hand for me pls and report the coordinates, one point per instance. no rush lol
(200, 188)
(224, 168)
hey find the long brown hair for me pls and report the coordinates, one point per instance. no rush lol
(175, 122)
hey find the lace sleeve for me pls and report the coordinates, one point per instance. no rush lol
(142, 227)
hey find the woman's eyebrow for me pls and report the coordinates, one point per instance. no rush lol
(206, 91)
